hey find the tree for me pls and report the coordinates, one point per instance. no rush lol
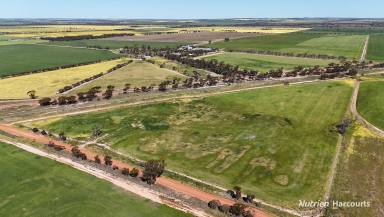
(32, 94)
(45, 101)
(134, 172)
(237, 209)
(108, 160)
(152, 170)
(125, 172)
(97, 159)
(237, 192)
(214, 204)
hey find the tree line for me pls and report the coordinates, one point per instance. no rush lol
(85, 37)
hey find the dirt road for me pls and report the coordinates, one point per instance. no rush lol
(365, 50)
(162, 181)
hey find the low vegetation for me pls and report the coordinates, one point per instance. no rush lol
(376, 48)
(115, 44)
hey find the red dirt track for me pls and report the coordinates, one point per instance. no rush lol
(163, 181)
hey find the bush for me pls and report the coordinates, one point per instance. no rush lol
(214, 204)
(134, 172)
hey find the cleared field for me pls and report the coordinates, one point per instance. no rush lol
(265, 63)
(48, 83)
(349, 46)
(277, 142)
(16, 59)
(187, 37)
(360, 175)
(115, 44)
(371, 102)
(376, 48)
(138, 74)
(40, 187)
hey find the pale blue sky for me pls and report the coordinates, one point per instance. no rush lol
(190, 9)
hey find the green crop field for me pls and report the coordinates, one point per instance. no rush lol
(138, 74)
(349, 46)
(16, 59)
(371, 102)
(36, 187)
(265, 63)
(115, 44)
(376, 48)
(360, 174)
(276, 142)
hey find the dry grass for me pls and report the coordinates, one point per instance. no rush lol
(48, 83)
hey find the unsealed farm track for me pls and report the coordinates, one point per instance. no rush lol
(162, 181)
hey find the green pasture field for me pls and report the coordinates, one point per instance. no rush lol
(370, 102)
(349, 46)
(376, 48)
(16, 59)
(360, 174)
(34, 186)
(115, 44)
(138, 74)
(265, 63)
(276, 142)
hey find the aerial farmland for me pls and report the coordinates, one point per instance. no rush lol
(173, 117)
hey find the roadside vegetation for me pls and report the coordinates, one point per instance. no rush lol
(266, 141)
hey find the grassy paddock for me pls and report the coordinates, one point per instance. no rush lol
(138, 73)
(48, 83)
(115, 44)
(376, 48)
(371, 102)
(16, 59)
(349, 46)
(265, 63)
(360, 176)
(40, 187)
(277, 142)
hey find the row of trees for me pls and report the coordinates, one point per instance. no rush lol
(85, 37)
(238, 209)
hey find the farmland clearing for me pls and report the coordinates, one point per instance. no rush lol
(270, 148)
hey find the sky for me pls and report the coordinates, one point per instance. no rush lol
(190, 9)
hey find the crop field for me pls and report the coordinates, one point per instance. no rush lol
(138, 74)
(242, 29)
(350, 46)
(376, 48)
(265, 63)
(276, 142)
(41, 187)
(371, 102)
(48, 83)
(115, 44)
(360, 174)
(187, 37)
(17, 59)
